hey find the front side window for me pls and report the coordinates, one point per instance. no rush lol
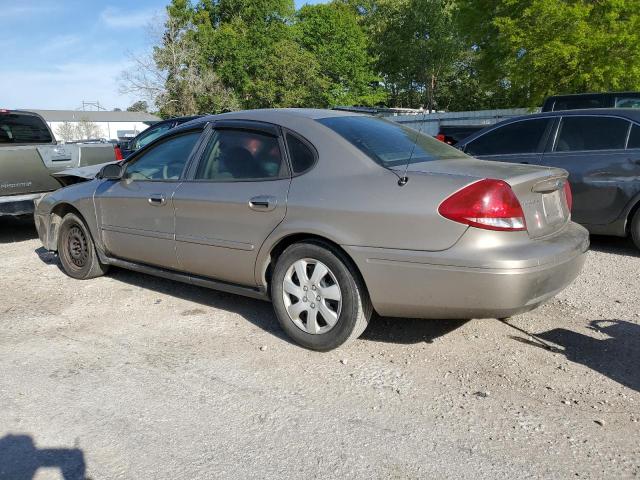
(591, 133)
(518, 137)
(236, 155)
(22, 128)
(388, 143)
(164, 161)
(150, 135)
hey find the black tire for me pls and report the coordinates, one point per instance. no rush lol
(356, 308)
(76, 250)
(635, 228)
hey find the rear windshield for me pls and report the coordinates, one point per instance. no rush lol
(388, 143)
(22, 128)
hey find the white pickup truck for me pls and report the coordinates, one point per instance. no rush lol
(30, 154)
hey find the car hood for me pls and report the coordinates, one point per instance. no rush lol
(80, 173)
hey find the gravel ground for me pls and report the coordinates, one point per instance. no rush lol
(133, 377)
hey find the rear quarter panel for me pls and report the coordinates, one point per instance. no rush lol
(350, 200)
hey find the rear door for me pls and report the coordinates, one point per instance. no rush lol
(521, 141)
(592, 150)
(136, 213)
(234, 198)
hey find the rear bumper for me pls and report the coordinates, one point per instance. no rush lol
(18, 204)
(498, 280)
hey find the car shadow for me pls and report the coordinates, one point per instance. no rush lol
(615, 245)
(617, 357)
(17, 229)
(408, 330)
(20, 459)
(260, 313)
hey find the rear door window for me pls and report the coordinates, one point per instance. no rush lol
(20, 128)
(525, 136)
(634, 137)
(237, 155)
(578, 133)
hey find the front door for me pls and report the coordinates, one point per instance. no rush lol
(231, 202)
(136, 213)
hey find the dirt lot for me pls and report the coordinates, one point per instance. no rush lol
(133, 377)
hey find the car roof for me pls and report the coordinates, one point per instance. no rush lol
(287, 117)
(631, 113)
(592, 94)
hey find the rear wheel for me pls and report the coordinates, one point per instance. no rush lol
(76, 249)
(318, 296)
(635, 228)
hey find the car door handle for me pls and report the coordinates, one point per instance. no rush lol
(525, 163)
(263, 203)
(157, 200)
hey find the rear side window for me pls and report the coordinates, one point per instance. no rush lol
(302, 156)
(628, 102)
(575, 103)
(518, 137)
(21, 128)
(634, 138)
(591, 133)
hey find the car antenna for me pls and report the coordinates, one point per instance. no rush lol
(402, 181)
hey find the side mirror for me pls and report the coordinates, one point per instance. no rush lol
(113, 171)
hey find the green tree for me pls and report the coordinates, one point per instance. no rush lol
(241, 40)
(418, 50)
(528, 49)
(333, 35)
(139, 106)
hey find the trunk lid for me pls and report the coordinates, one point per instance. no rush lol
(538, 189)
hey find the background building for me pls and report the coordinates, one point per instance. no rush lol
(69, 125)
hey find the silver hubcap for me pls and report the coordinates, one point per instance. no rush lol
(312, 296)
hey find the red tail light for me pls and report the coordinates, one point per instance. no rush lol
(568, 194)
(440, 137)
(118, 153)
(488, 204)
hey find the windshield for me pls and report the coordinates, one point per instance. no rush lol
(388, 143)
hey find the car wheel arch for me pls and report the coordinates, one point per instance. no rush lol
(57, 214)
(286, 241)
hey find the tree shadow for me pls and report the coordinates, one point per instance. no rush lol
(615, 245)
(17, 229)
(617, 357)
(408, 330)
(20, 459)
